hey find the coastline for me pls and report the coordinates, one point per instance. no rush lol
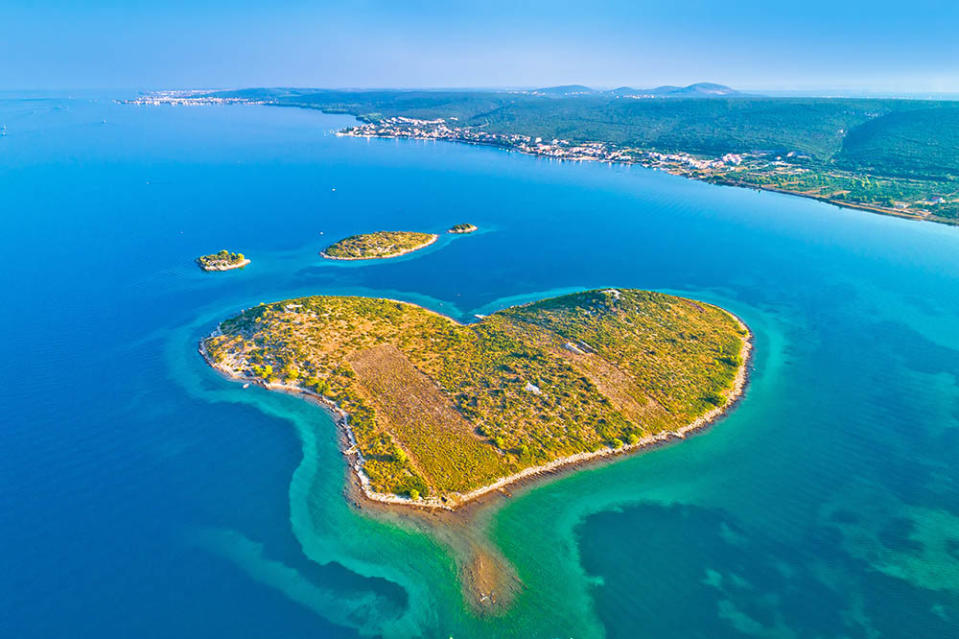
(226, 267)
(869, 208)
(435, 237)
(361, 481)
(839, 203)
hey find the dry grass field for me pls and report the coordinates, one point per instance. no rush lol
(407, 404)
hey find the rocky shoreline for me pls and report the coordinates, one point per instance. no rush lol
(435, 237)
(224, 267)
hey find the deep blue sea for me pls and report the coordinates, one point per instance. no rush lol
(142, 495)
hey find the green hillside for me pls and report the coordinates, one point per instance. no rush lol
(715, 126)
(914, 143)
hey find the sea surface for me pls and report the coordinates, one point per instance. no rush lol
(142, 495)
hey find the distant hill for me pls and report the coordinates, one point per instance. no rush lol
(704, 89)
(567, 90)
(698, 90)
(628, 91)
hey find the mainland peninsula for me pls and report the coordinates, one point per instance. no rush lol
(890, 156)
(222, 261)
(462, 229)
(379, 245)
(435, 413)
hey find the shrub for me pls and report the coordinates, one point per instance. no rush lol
(716, 399)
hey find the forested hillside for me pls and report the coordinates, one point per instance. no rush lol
(914, 143)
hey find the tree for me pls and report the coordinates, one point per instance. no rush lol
(414, 494)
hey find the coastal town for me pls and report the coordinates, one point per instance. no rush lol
(185, 98)
(676, 163)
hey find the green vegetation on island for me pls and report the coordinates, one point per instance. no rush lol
(437, 409)
(222, 261)
(382, 244)
(462, 228)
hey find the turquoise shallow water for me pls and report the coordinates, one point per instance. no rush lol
(145, 496)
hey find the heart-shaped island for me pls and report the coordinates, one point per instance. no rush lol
(437, 413)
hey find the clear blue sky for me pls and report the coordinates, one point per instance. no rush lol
(882, 45)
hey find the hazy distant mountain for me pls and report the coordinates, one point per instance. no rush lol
(698, 90)
(567, 90)
(666, 89)
(703, 89)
